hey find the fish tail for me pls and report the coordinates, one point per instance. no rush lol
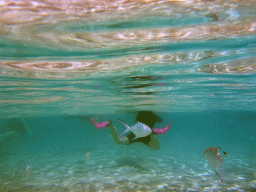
(127, 127)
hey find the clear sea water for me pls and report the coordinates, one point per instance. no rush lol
(192, 62)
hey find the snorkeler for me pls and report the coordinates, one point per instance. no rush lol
(13, 132)
(145, 126)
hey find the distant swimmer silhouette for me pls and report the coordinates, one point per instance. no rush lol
(143, 131)
(14, 129)
(13, 132)
(213, 156)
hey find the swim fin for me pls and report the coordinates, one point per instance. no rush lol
(163, 130)
(100, 125)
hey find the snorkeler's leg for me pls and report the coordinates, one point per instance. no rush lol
(153, 143)
(119, 140)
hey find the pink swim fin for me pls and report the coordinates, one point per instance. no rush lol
(162, 130)
(100, 125)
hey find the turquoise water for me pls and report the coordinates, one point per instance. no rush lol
(191, 62)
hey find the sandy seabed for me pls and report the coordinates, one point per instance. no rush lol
(112, 170)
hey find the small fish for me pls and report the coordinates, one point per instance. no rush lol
(139, 129)
(88, 156)
(213, 156)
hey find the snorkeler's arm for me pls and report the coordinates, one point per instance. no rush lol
(119, 140)
(153, 143)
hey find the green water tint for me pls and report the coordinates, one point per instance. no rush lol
(63, 62)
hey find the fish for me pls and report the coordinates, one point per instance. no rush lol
(212, 154)
(139, 129)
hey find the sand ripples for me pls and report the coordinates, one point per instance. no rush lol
(105, 174)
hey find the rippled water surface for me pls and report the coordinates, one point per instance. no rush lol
(86, 57)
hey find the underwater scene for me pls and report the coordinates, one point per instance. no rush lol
(127, 95)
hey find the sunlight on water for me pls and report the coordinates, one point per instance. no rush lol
(161, 48)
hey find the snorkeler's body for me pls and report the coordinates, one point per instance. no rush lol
(149, 140)
(145, 117)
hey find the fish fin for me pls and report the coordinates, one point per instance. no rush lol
(125, 124)
(127, 127)
(222, 177)
(135, 138)
(126, 131)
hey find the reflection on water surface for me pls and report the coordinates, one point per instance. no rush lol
(67, 53)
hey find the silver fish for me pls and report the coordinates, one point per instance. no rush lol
(139, 129)
(212, 154)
